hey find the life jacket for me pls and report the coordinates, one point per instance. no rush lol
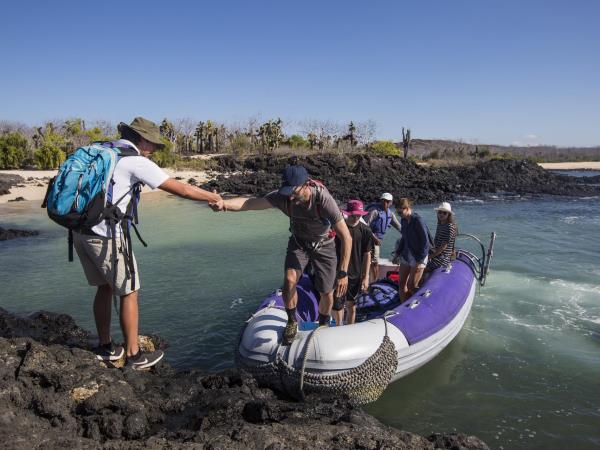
(80, 196)
(381, 294)
(380, 224)
(319, 188)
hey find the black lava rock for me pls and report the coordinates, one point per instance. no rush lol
(366, 177)
(8, 181)
(9, 233)
(54, 393)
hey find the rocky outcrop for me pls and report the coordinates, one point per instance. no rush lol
(9, 233)
(366, 177)
(55, 394)
(7, 181)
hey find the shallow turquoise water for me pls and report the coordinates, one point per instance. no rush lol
(523, 373)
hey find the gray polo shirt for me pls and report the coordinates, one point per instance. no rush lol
(305, 222)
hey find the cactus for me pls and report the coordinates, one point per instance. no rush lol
(271, 134)
(167, 130)
(199, 135)
(351, 134)
(406, 141)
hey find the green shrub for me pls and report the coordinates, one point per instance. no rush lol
(96, 134)
(385, 148)
(13, 150)
(240, 144)
(165, 156)
(49, 156)
(295, 141)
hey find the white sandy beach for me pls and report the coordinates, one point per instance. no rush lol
(590, 165)
(36, 182)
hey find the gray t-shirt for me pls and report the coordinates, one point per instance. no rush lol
(305, 222)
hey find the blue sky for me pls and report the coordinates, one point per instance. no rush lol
(482, 71)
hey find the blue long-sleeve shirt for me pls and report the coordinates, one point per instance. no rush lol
(414, 244)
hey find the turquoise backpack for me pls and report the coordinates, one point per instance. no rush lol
(80, 196)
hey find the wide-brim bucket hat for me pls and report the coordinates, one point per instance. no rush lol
(444, 206)
(145, 128)
(355, 208)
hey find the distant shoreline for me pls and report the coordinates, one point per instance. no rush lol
(583, 165)
(34, 186)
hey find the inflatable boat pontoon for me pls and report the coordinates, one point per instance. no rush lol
(360, 360)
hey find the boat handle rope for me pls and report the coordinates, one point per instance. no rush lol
(304, 358)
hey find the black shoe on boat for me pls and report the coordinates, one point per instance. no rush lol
(144, 360)
(109, 352)
(289, 333)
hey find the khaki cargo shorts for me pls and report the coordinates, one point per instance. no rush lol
(95, 254)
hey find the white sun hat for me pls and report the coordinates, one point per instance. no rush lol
(444, 206)
(386, 196)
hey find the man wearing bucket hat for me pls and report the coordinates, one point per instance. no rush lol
(315, 219)
(445, 236)
(95, 246)
(380, 219)
(360, 261)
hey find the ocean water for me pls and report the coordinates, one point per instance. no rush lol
(523, 372)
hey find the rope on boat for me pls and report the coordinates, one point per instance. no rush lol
(304, 357)
(361, 384)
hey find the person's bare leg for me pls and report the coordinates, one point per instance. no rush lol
(129, 322)
(351, 314)
(102, 313)
(417, 276)
(338, 316)
(289, 293)
(414, 279)
(326, 303)
(403, 274)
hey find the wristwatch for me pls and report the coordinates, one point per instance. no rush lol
(341, 274)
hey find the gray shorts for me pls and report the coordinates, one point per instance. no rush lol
(324, 262)
(95, 254)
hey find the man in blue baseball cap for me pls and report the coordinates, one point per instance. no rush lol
(293, 176)
(315, 220)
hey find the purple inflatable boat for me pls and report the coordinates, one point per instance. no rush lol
(360, 360)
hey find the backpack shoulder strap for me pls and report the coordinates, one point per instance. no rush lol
(319, 197)
(127, 151)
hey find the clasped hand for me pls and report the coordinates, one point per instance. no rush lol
(217, 206)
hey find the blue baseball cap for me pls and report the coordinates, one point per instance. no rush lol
(293, 176)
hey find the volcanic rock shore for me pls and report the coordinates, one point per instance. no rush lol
(10, 233)
(55, 394)
(366, 177)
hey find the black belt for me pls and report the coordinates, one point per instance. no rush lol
(313, 246)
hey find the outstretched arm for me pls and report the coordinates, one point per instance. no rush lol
(175, 187)
(243, 204)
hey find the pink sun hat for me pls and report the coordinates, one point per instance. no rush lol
(355, 208)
